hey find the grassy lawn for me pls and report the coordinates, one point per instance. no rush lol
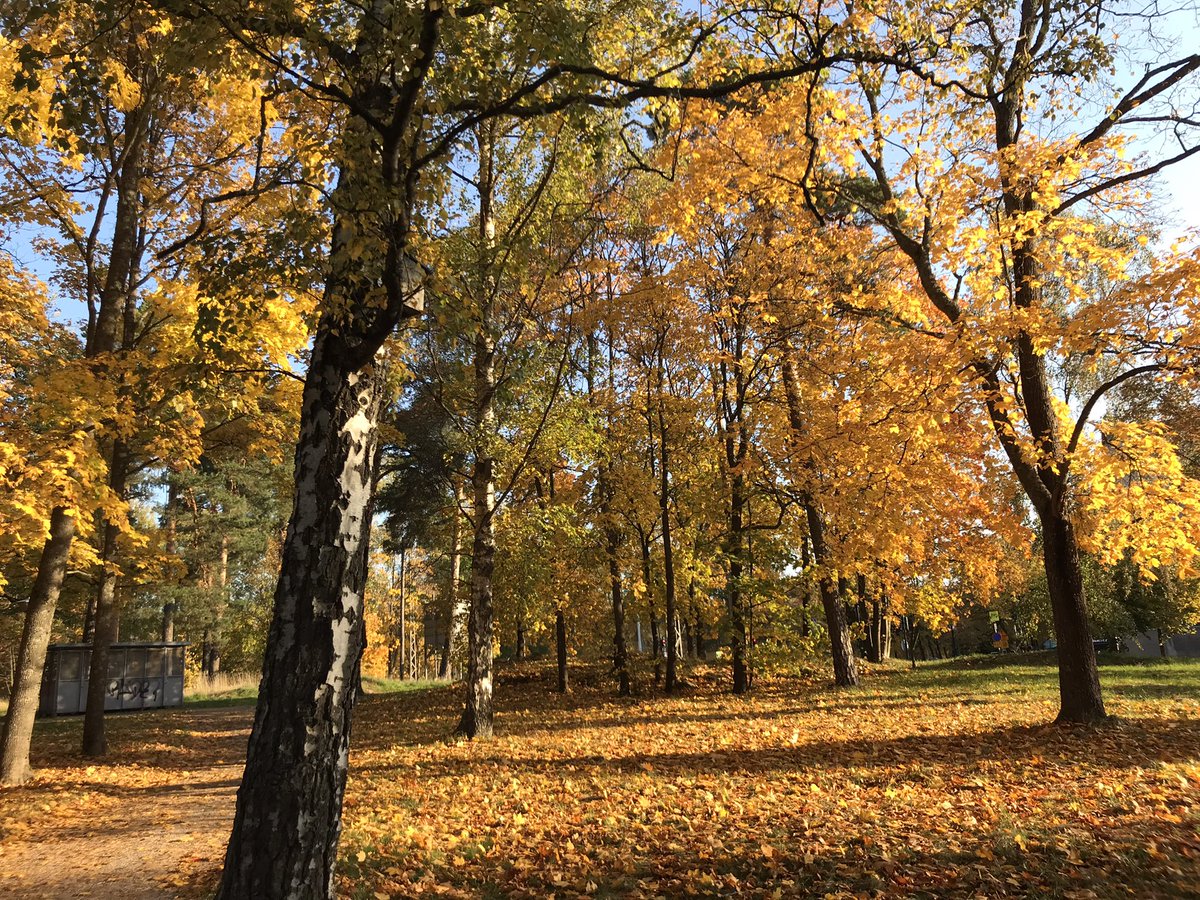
(944, 782)
(242, 690)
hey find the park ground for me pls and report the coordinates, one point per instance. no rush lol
(946, 782)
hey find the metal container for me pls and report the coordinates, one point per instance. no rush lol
(140, 676)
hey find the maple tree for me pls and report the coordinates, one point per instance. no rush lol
(991, 207)
(92, 127)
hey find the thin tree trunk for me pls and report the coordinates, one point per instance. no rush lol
(620, 651)
(170, 608)
(214, 649)
(612, 534)
(737, 606)
(456, 608)
(845, 672)
(403, 616)
(477, 713)
(664, 501)
(31, 658)
(875, 633)
(645, 540)
(560, 644)
(108, 618)
(115, 326)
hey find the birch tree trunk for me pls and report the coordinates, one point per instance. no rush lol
(286, 828)
(457, 606)
(477, 714)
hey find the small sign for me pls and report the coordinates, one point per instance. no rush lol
(994, 616)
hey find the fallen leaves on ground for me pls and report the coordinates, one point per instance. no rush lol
(794, 791)
(944, 784)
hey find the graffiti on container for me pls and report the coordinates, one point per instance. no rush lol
(133, 689)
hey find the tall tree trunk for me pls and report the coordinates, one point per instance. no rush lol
(612, 533)
(664, 504)
(115, 328)
(170, 607)
(737, 605)
(457, 605)
(477, 713)
(288, 817)
(214, 648)
(730, 393)
(845, 673)
(286, 828)
(108, 617)
(620, 651)
(645, 540)
(1078, 678)
(1046, 485)
(560, 646)
(875, 632)
(31, 658)
(403, 621)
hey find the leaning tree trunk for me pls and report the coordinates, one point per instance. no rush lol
(31, 658)
(286, 829)
(288, 818)
(845, 672)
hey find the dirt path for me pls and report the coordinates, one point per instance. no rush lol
(148, 824)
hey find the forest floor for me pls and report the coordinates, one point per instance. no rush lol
(946, 782)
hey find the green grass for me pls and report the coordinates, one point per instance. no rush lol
(1035, 676)
(397, 686)
(242, 690)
